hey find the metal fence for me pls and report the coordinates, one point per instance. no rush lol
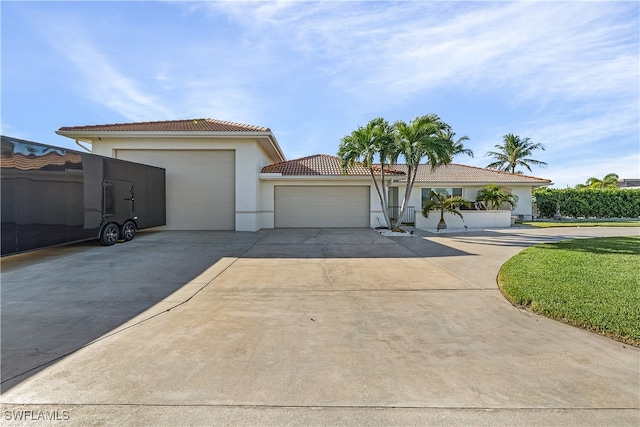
(409, 216)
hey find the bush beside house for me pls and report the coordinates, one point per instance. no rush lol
(588, 202)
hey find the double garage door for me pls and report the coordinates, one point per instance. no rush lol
(322, 206)
(200, 186)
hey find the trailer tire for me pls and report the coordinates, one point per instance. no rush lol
(109, 234)
(128, 231)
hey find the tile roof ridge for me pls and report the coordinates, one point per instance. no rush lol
(227, 122)
(156, 122)
(151, 122)
(297, 160)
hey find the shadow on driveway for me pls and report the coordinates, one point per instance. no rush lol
(56, 301)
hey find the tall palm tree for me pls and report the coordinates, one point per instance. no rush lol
(444, 203)
(364, 146)
(610, 180)
(425, 136)
(458, 145)
(514, 152)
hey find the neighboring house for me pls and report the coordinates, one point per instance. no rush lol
(628, 183)
(231, 176)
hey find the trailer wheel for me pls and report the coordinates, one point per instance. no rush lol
(128, 231)
(109, 235)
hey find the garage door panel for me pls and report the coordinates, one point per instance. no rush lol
(200, 186)
(318, 206)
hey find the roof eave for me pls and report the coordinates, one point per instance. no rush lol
(266, 139)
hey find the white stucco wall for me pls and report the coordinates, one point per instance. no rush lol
(524, 204)
(471, 219)
(470, 192)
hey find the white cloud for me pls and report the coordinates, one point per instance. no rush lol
(102, 82)
(542, 52)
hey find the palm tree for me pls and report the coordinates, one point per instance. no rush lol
(458, 146)
(363, 146)
(444, 203)
(514, 152)
(610, 180)
(425, 136)
(495, 196)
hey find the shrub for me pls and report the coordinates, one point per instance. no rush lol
(588, 202)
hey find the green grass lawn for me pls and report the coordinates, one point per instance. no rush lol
(582, 223)
(591, 283)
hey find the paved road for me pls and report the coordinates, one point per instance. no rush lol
(301, 327)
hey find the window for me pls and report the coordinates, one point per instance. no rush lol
(426, 193)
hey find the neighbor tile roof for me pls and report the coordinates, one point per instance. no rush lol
(191, 125)
(21, 162)
(454, 173)
(319, 164)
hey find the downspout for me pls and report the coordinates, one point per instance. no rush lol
(82, 146)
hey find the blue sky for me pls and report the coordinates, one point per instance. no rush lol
(565, 74)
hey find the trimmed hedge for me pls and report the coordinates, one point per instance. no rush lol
(588, 202)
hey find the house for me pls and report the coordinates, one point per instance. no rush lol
(231, 176)
(628, 183)
(316, 191)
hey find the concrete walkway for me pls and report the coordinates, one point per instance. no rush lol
(300, 327)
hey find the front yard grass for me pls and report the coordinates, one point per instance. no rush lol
(582, 223)
(590, 283)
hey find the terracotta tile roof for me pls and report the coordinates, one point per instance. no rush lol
(325, 165)
(462, 173)
(319, 164)
(191, 125)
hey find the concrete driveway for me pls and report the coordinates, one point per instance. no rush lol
(302, 327)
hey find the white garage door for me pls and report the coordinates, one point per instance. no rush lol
(316, 206)
(200, 186)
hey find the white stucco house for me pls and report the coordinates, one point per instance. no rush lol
(230, 176)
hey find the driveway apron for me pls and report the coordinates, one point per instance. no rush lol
(314, 318)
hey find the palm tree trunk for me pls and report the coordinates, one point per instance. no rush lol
(383, 204)
(442, 225)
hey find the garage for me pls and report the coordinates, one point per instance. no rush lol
(200, 186)
(321, 206)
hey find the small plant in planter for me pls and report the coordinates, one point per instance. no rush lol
(444, 203)
(494, 197)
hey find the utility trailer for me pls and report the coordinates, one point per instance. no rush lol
(53, 196)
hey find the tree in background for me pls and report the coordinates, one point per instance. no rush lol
(495, 197)
(513, 152)
(609, 181)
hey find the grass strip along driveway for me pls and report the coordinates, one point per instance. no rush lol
(591, 283)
